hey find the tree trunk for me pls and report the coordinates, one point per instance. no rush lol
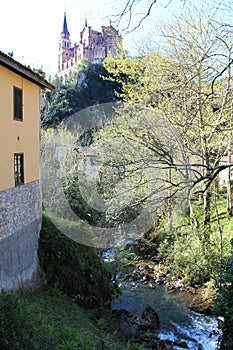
(206, 203)
(205, 159)
(229, 191)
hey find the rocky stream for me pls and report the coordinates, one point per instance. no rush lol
(176, 322)
(150, 310)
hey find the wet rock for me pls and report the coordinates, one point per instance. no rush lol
(136, 326)
(181, 344)
(148, 339)
(203, 301)
(125, 321)
(148, 274)
(165, 345)
(122, 314)
(149, 319)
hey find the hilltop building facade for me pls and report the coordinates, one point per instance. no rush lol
(226, 175)
(20, 194)
(93, 45)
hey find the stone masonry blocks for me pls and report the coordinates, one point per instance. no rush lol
(20, 225)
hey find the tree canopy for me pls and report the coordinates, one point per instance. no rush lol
(85, 87)
(189, 85)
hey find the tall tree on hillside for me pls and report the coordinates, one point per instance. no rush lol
(189, 85)
(204, 52)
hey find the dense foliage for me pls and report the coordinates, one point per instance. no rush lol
(85, 87)
(12, 317)
(73, 267)
(224, 304)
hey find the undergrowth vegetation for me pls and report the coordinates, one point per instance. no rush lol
(49, 319)
(192, 258)
(75, 268)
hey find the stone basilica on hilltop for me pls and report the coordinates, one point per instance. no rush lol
(93, 45)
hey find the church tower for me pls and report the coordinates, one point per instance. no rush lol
(93, 45)
(64, 46)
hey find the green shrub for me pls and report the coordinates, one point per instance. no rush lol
(12, 324)
(224, 304)
(189, 260)
(73, 267)
(80, 342)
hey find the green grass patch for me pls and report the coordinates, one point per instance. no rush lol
(49, 319)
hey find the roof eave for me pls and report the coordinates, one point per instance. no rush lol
(25, 72)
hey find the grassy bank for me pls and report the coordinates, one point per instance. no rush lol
(49, 319)
(72, 312)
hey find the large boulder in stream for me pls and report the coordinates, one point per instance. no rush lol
(203, 301)
(149, 320)
(142, 329)
(134, 325)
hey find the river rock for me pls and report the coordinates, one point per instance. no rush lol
(149, 319)
(148, 274)
(165, 345)
(181, 344)
(203, 301)
(134, 326)
(125, 321)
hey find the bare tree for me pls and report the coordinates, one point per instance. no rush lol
(133, 8)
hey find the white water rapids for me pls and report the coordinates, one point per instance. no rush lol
(177, 321)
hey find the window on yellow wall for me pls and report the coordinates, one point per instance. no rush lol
(19, 169)
(18, 103)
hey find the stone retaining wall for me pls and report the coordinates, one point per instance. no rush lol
(20, 224)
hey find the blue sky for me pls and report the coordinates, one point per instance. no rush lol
(31, 29)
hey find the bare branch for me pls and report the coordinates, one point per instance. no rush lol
(145, 16)
(128, 10)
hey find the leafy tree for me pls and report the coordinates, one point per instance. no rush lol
(71, 190)
(190, 86)
(171, 132)
(76, 94)
(58, 105)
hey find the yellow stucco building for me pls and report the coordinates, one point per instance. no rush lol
(20, 195)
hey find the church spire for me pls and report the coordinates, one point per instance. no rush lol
(64, 46)
(65, 27)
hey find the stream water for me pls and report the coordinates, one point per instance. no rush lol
(177, 321)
